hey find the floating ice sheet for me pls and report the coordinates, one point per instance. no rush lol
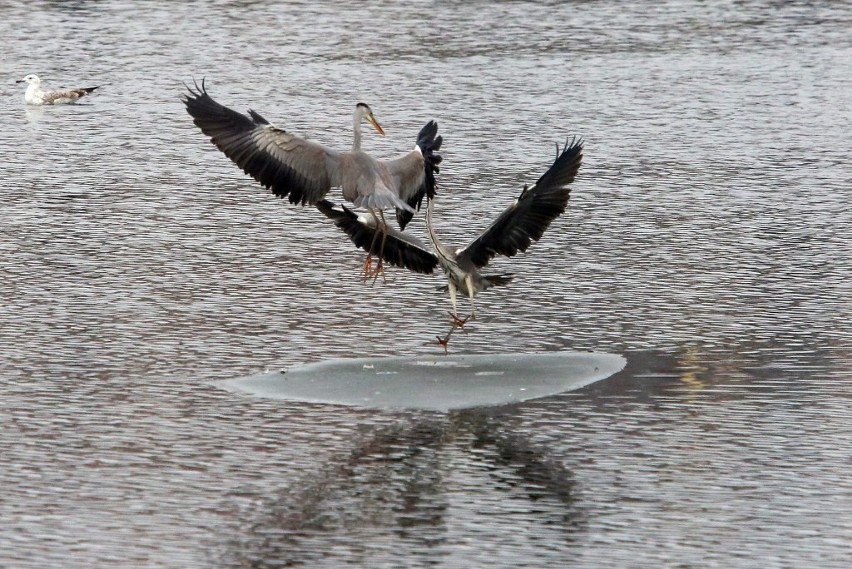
(436, 383)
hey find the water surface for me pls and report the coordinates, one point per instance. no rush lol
(707, 240)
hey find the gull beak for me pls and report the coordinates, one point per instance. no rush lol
(20, 81)
(376, 124)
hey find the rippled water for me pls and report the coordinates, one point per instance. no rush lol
(707, 239)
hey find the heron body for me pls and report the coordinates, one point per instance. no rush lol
(466, 279)
(34, 94)
(305, 171)
(367, 182)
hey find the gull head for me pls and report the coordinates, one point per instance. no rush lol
(31, 79)
(363, 112)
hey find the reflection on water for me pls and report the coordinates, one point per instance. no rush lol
(547, 478)
(706, 238)
(33, 114)
(409, 492)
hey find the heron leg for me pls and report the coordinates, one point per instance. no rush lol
(368, 262)
(468, 280)
(369, 271)
(380, 267)
(451, 287)
(457, 322)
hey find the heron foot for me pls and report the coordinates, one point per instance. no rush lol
(380, 271)
(368, 268)
(371, 272)
(457, 321)
(444, 342)
(457, 324)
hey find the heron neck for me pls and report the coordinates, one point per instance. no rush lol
(433, 237)
(356, 134)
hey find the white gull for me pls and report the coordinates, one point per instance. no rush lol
(35, 95)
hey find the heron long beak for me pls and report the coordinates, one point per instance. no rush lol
(376, 124)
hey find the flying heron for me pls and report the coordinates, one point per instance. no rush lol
(514, 230)
(36, 96)
(305, 171)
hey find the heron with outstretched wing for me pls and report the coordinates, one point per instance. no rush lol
(304, 171)
(521, 224)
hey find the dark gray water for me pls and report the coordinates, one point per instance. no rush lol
(708, 239)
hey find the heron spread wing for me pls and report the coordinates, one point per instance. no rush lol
(399, 249)
(290, 166)
(414, 173)
(526, 220)
(408, 173)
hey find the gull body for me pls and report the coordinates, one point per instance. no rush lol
(36, 96)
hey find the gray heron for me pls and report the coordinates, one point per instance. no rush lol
(34, 94)
(305, 171)
(514, 230)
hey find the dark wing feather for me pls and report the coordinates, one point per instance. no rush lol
(422, 182)
(288, 165)
(526, 220)
(400, 249)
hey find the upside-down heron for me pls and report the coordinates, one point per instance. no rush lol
(514, 230)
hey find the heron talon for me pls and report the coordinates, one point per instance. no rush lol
(380, 270)
(445, 341)
(368, 268)
(458, 322)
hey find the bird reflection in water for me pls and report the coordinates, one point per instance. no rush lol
(396, 496)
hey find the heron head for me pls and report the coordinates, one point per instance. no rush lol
(364, 111)
(31, 79)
